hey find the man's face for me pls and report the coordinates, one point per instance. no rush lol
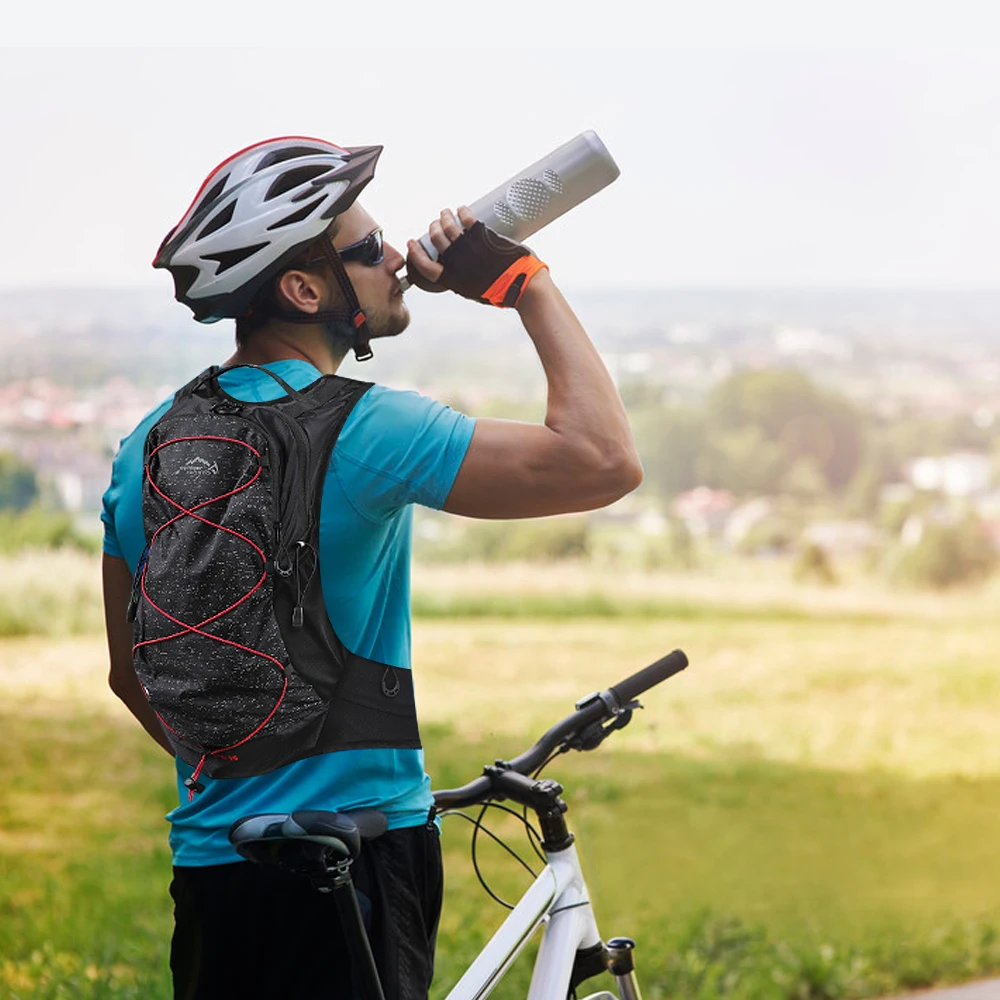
(376, 286)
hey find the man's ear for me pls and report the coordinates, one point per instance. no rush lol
(301, 291)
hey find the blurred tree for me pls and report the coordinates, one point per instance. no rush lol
(676, 548)
(535, 540)
(813, 565)
(915, 435)
(804, 479)
(865, 488)
(742, 459)
(947, 555)
(671, 443)
(638, 394)
(789, 411)
(35, 528)
(777, 532)
(18, 485)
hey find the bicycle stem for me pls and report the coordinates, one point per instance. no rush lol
(540, 794)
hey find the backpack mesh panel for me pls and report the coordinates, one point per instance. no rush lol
(211, 655)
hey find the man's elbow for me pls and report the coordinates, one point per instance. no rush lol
(121, 683)
(115, 684)
(630, 473)
(620, 476)
(634, 475)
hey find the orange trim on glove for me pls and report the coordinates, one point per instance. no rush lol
(507, 290)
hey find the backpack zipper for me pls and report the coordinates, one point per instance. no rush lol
(305, 496)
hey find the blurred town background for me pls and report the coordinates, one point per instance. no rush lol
(839, 430)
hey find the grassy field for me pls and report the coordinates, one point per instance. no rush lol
(809, 811)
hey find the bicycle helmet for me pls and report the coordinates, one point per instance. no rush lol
(254, 213)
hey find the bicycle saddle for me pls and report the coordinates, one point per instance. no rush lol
(308, 840)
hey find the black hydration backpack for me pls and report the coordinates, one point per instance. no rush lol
(233, 645)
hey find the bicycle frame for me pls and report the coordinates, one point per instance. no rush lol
(559, 898)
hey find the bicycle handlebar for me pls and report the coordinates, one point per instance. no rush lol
(593, 710)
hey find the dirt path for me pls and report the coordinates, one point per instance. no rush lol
(984, 989)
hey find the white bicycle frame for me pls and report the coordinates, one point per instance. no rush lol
(559, 899)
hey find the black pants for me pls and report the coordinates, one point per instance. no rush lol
(254, 932)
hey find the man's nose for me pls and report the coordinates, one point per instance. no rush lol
(393, 257)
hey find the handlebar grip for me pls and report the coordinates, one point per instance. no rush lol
(631, 687)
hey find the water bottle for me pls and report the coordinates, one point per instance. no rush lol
(536, 195)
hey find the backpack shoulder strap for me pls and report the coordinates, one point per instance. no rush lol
(209, 379)
(196, 383)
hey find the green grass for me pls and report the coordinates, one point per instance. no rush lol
(738, 877)
(57, 593)
(599, 604)
(84, 865)
(807, 813)
(50, 592)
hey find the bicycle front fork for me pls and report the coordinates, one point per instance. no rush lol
(621, 963)
(618, 958)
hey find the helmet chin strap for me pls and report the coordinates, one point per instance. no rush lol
(356, 317)
(335, 319)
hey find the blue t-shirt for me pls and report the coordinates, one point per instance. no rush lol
(395, 449)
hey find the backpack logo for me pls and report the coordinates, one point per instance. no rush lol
(199, 466)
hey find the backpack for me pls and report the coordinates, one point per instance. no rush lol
(233, 645)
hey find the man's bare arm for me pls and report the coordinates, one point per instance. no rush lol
(583, 455)
(122, 678)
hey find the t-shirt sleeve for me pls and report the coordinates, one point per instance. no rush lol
(398, 448)
(121, 507)
(116, 508)
(111, 545)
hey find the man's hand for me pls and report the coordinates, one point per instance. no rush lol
(474, 261)
(420, 269)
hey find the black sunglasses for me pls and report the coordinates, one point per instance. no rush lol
(368, 251)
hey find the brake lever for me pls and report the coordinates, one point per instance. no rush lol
(597, 732)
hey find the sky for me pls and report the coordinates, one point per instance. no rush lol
(761, 145)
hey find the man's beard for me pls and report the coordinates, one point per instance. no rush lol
(388, 322)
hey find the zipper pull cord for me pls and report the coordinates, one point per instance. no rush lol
(192, 784)
(298, 614)
(279, 551)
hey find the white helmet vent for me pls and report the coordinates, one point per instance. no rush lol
(216, 191)
(289, 153)
(299, 216)
(220, 219)
(293, 178)
(230, 258)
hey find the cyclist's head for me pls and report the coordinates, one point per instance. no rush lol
(264, 209)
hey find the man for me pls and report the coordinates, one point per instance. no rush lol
(276, 239)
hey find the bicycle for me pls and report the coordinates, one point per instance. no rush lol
(323, 845)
